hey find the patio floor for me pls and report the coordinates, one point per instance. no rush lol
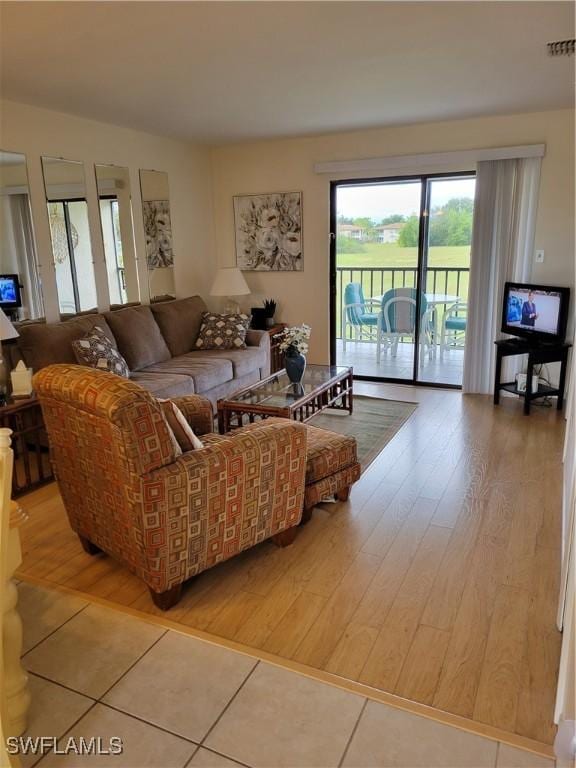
(362, 356)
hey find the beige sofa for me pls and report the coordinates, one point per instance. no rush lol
(157, 342)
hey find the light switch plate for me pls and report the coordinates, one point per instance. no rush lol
(539, 256)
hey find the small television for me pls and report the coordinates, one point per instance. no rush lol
(538, 312)
(10, 297)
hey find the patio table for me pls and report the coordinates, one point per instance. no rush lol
(433, 300)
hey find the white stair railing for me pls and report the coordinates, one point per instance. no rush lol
(14, 694)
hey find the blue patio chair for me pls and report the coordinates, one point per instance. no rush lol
(356, 315)
(453, 333)
(397, 320)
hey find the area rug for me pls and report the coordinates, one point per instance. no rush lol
(374, 422)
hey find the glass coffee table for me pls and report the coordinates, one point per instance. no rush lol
(323, 386)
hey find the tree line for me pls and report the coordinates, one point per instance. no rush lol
(450, 224)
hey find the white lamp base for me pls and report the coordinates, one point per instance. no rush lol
(231, 307)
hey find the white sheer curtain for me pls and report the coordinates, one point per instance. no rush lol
(19, 252)
(502, 249)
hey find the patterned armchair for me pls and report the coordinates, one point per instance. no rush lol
(167, 515)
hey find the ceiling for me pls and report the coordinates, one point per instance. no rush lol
(219, 72)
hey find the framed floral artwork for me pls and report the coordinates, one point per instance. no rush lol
(268, 231)
(158, 230)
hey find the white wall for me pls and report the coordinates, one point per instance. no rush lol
(565, 710)
(36, 132)
(288, 165)
(203, 183)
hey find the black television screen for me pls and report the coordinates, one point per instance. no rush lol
(10, 292)
(535, 311)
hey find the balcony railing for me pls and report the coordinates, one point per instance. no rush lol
(376, 281)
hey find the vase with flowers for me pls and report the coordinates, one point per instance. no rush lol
(294, 344)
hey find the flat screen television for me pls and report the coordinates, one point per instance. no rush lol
(10, 292)
(538, 312)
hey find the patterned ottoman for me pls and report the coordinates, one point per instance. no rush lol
(331, 467)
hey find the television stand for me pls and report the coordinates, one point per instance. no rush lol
(538, 354)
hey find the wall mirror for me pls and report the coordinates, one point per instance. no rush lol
(65, 187)
(20, 289)
(115, 202)
(158, 230)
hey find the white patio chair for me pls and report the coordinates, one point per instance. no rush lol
(397, 320)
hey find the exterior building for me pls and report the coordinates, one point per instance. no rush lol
(389, 233)
(350, 230)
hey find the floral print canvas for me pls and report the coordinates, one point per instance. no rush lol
(158, 229)
(269, 232)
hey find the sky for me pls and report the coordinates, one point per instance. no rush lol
(382, 200)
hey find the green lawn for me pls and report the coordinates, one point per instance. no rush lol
(378, 255)
(389, 255)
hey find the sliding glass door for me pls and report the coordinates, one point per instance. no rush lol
(70, 235)
(399, 277)
(374, 258)
(445, 269)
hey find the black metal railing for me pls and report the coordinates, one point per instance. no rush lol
(376, 281)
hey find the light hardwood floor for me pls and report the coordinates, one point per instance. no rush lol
(437, 581)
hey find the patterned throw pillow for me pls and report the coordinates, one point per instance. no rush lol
(222, 331)
(182, 431)
(96, 350)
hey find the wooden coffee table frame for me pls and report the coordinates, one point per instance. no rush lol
(336, 392)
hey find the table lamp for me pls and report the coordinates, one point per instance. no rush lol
(7, 331)
(229, 282)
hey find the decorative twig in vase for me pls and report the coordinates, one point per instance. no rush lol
(270, 311)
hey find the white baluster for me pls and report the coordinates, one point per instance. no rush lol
(15, 694)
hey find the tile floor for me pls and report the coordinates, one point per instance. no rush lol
(177, 701)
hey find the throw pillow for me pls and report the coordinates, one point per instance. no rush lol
(222, 331)
(181, 430)
(96, 350)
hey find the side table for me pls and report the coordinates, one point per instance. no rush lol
(276, 357)
(538, 354)
(29, 442)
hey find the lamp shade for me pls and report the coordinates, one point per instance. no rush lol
(7, 330)
(229, 281)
